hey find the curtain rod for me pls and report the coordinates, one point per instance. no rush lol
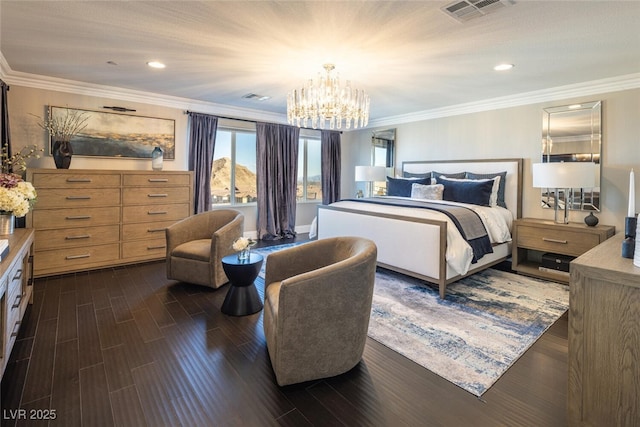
(249, 121)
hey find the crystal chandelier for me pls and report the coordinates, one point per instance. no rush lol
(324, 100)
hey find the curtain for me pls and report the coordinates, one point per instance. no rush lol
(5, 136)
(277, 168)
(202, 141)
(330, 166)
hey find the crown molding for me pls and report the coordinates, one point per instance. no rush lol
(80, 88)
(613, 84)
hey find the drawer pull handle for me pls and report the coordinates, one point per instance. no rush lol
(77, 256)
(158, 180)
(79, 217)
(83, 236)
(155, 230)
(16, 303)
(546, 239)
(158, 195)
(78, 179)
(155, 247)
(157, 212)
(78, 197)
(16, 328)
(18, 275)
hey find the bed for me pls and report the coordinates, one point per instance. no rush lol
(420, 242)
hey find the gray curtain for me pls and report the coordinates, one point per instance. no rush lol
(5, 136)
(202, 141)
(330, 166)
(277, 164)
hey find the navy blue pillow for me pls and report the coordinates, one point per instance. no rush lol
(402, 187)
(473, 192)
(501, 185)
(416, 175)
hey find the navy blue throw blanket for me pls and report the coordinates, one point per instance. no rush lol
(466, 221)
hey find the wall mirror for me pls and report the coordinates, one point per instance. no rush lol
(572, 133)
(383, 154)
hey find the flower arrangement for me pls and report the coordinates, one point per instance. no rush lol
(17, 162)
(16, 196)
(63, 128)
(243, 243)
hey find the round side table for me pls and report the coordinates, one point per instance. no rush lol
(242, 298)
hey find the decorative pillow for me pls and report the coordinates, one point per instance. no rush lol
(458, 175)
(493, 199)
(416, 175)
(402, 187)
(501, 184)
(468, 191)
(429, 192)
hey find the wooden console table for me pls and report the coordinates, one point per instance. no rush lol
(604, 338)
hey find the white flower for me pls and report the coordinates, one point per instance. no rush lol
(16, 195)
(242, 243)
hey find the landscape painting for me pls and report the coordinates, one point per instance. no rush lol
(120, 135)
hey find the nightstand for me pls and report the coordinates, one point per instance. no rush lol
(534, 237)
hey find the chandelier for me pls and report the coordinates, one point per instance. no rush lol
(324, 100)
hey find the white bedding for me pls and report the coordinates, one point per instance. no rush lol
(497, 221)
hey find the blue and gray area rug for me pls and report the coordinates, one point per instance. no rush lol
(471, 338)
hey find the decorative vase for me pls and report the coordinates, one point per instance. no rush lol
(7, 221)
(244, 254)
(157, 156)
(62, 153)
(591, 220)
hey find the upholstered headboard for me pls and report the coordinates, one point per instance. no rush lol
(513, 167)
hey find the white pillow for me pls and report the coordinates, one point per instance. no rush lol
(429, 192)
(493, 199)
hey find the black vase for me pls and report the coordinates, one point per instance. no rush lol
(591, 220)
(62, 153)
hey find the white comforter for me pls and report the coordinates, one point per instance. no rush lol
(497, 221)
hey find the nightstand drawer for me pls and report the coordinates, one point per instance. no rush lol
(556, 240)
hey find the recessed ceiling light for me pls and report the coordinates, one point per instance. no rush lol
(155, 64)
(575, 106)
(503, 67)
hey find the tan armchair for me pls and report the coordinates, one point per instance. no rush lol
(196, 245)
(317, 307)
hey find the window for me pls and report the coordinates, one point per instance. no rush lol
(309, 160)
(234, 166)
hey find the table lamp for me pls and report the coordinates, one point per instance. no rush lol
(564, 175)
(371, 174)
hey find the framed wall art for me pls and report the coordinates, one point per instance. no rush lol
(119, 135)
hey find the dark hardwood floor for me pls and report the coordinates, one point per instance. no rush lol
(127, 347)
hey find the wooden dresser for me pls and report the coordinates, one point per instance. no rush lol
(604, 338)
(16, 288)
(86, 219)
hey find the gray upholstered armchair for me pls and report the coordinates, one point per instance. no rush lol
(317, 307)
(196, 245)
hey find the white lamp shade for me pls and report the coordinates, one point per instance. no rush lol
(371, 173)
(564, 175)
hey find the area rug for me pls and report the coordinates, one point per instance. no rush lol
(487, 321)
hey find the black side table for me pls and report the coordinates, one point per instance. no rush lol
(242, 298)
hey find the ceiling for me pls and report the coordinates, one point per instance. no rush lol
(408, 55)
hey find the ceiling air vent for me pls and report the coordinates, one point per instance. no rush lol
(465, 10)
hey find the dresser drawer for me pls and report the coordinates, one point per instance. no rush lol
(74, 180)
(145, 249)
(77, 197)
(149, 213)
(157, 179)
(147, 195)
(78, 236)
(71, 258)
(556, 240)
(145, 230)
(14, 303)
(82, 217)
